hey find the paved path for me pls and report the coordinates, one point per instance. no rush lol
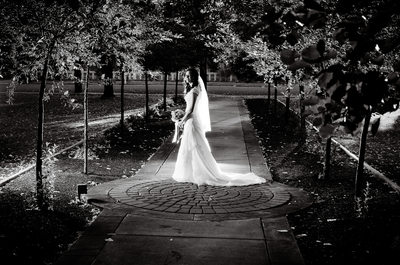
(151, 219)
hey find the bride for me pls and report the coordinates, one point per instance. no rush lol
(195, 163)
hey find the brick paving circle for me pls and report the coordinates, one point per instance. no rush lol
(187, 198)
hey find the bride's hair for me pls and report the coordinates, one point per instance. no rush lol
(194, 77)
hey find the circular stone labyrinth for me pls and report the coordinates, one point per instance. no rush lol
(187, 198)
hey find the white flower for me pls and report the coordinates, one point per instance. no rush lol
(177, 115)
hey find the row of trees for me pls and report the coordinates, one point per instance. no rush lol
(42, 39)
(343, 55)
(46, 39)
(345, 63)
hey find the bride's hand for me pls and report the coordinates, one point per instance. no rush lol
(181, 124)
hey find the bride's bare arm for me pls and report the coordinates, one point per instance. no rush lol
(188, 113)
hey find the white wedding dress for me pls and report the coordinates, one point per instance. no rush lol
(195, 162)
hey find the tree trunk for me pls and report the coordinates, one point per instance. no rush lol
(275, 79)
(108, 81)
(203, 69)
(287, 97)
(86, 122)
(267, 109)
(176, 86)
(302, 109)
(287, 108)
(275, 99)
(40, 195)
(327, 164)
(360, 181)
(122, 96)
(78, 80)
(146, 82)
(165, 92)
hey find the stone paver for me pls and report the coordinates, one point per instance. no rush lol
(188, 198)
(144, 250)
(151, 219)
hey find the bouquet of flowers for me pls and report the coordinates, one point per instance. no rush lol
(176, 116)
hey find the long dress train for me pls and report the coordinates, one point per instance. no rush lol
(195, 162)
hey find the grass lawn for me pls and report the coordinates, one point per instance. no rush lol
(63, 125)
(382, 148)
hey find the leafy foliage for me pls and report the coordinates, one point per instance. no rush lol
(350, 88)
(140, 134)
(343, 56)
(30, 236)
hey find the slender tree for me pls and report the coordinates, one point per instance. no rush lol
(41, 31)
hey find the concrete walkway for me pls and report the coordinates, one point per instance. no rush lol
(151, 219)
